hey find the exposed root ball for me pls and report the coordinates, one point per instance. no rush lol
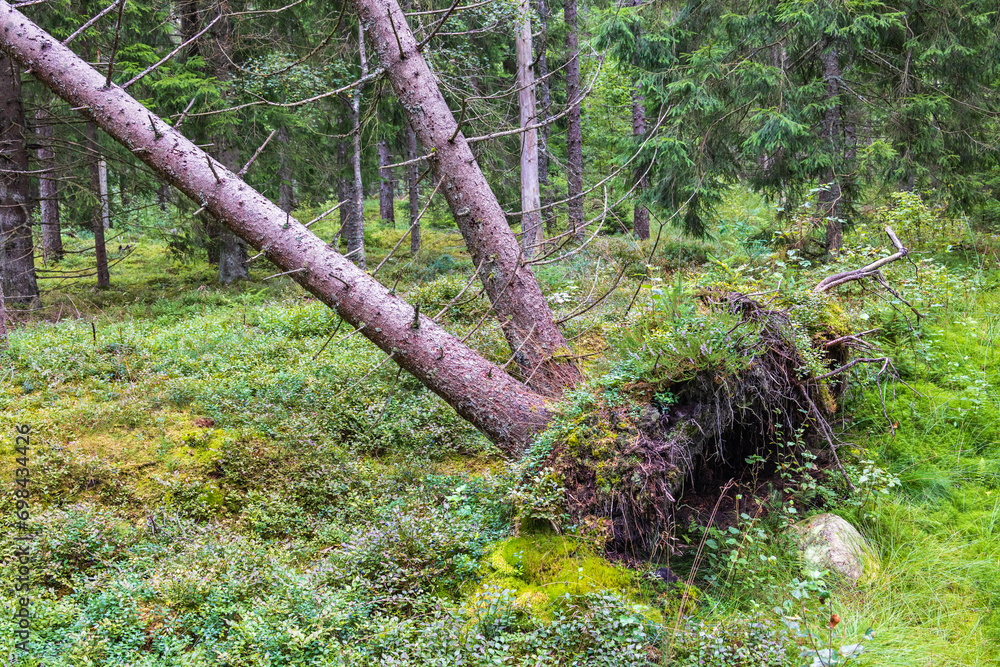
(631, 461)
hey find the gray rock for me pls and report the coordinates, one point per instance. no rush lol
(827, 542)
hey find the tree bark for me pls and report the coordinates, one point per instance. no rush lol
(574, 131)
(17, 252)
(97, 216)
(102, 193)
(414, 189)
(531, 216)
(386, 185)
(640, 214)
(500, 406)
(831, 198)
(48, 191)
(231, 251)
(345, 192)
(3, 318)
(163, 196)
(286, 185)
(544, 108)
(234, 261)
(524, 315)
(355, 232)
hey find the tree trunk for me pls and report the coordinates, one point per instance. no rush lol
(412, 174)
(574, 132)
(286, 185)
(102, 193)
(640, 214)
(231, 251)
(513, 290)
(480, 391)
(531, 216)
(355, 232)
(831, 198)
(545, 106)
(234, 261)
(97, 216)
(163, 196)
(386, 185)
(3, 317)
(17, 252)
(345, 193)
(48, 190)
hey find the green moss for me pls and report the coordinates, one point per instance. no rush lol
(541, 570)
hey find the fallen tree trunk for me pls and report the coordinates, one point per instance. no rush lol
(512, 288)
(481, 392)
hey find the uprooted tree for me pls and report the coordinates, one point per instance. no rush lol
(504, 408)
(510, 411)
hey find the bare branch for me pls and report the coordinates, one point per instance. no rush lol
(854, 362)
(76, 33)
(256, 154)
(867, 271)
(170, 55)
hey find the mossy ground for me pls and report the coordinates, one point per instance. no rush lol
(216, 481)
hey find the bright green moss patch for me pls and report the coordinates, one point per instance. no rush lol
(543, 570)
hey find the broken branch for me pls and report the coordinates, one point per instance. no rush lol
(867, 271)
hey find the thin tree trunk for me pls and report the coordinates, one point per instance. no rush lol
(48, 190)
(355, 233)
(831, 198)
(414, 189)
(102, 193)
(480, 391)
(232, 251)
(386, 185)
(345, 192)
(640, 214)
(163, 196)
(531, 217)
(286, 185)
(574, 131)
(527, 321)
(234, 261)
(17, 252)
(545, 106)
(97, 216)
(3, 316)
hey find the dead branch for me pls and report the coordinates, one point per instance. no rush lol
(886, 363)
(256, 154)
(76, 33)
(865, 272)
(855, 338)
(151, 68)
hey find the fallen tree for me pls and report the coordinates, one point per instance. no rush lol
(500, 406)
(539, 347)
(631, 471)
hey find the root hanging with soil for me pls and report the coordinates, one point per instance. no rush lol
(633, 464)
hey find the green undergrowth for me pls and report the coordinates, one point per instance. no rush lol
(228, 476)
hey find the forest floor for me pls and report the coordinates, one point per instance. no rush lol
(227, 476)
